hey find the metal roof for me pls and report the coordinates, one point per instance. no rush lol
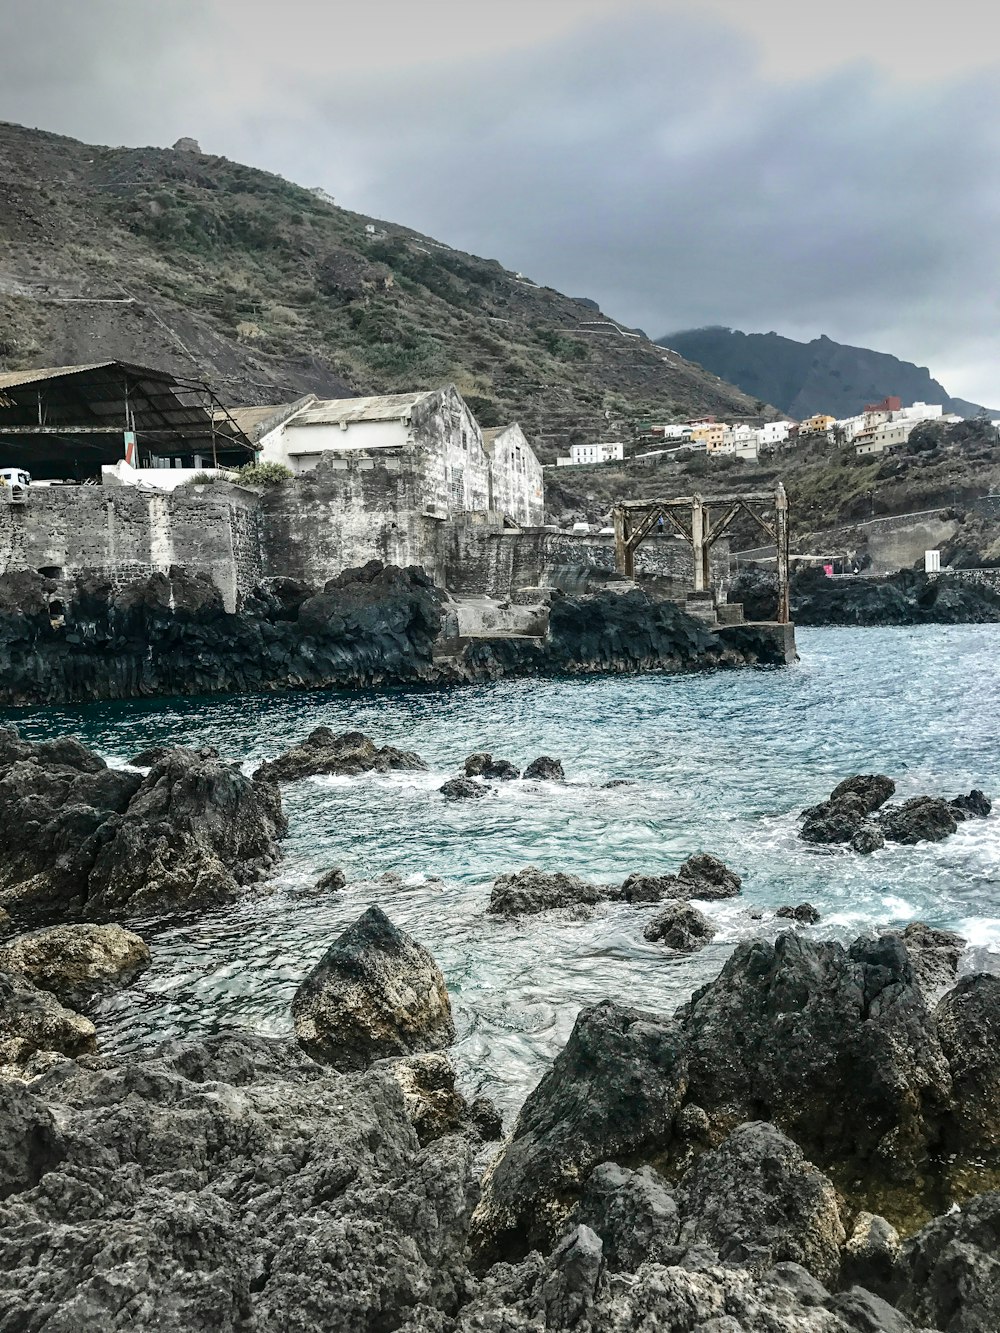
(13, 378)
(255, 422)
(385, 407)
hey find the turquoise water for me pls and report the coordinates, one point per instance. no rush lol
(722, 762)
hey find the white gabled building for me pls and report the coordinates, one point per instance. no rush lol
(516, 486)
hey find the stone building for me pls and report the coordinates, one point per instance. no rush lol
(516, 486)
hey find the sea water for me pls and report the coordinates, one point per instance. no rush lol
(721, 762)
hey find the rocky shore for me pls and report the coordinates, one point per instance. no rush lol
(169, 634)
(907, 598)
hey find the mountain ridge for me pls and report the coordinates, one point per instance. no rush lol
(269, 290)
(803, 379)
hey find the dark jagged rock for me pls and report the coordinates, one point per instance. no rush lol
(804, 913)
(617, 782)
(921, 819)
(612, 1092)
(680, 926)
(872, 789)
(870, 1254)
(836, 1047)
(934, 956)
(225, 1186)
(532, 890)
(968, 1025)
(485, 1119)
(835, 821)
(170, 634)
(350, 753)
(82, 837)
(633, 1212)
(975, 805)
(464, 789)
(483, 765)
(708, 878)
(758, 1202)
(948, 1274)
(375, 993)
(434, 1105)
(33, 1022)
(29, 1141)
(78, 962)
(157, 753)
(639, 888)
(331, 881)
(545, 769)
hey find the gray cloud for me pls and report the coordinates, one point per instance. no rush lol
(655, 161)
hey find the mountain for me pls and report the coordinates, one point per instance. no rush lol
(805, 378)
(268, 290)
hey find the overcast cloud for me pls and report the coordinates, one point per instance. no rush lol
(759, 164)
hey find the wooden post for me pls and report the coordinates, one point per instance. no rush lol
(698, 543)
(620, 553)
(781, 532)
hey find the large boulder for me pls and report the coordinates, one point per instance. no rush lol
(350, 753)
(706, 877)
(920, 819)
(611, 1095)
(76, 963)
(639, 888)
(872, 789)
(375, 993)
(229, 1185)
(934, 956)
(633, 1212)
(948, 1274)
(195, 833)
(975, 805)
(109, 842)
(838, 1048)
(804, 913)
(33, 1022)
(532, 890)
(757, 1202)
(835, 821)
(680, 926)
(968, 1026)
(464, 789)
(545, 768)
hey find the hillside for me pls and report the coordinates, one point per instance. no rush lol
(269, 290)
(804, 378)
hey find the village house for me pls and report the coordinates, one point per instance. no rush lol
(820, 424)
(582, 454)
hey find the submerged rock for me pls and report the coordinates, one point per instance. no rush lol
(76, 963)
(545, 769)
(331, 881)
(347, 754)
(856, 813)
(483, 765)
(867, 838)
(804, 913)
(757, 1202)
(464, 789)
(532, 890)
(33, 1022)
(682, 927)
(375, 993)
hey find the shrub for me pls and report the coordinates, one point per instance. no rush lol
(264, 474)
(203, 479)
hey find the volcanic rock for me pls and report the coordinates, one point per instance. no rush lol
(76, 963)
(532, 890)
(6, 924)
(968, 1026)
(934, 956)
(483, 765)
(708, 878)
(32, 1021)
(867, 838)
(804, 913)
(546, 769)
(633, 1212)
(757, 1201)
(920, 819)
(611, 1093)
(948, 1274)
(639, 888)
(682, 927)
(872, 789)
(975, 805)
(433, 1104)
(870, 1254)
(348, 754)
(331, 881)
(375, 993)
(834, 821)
(464, 789)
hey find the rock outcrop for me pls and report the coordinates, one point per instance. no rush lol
(701, 876)
(545, 769)
(483, 765)
(464, 789)
(533, 890)
(83, 838)
(78, 962)
(350, 753)
(948, 1274)
(856, 813)
(680, 926)
(375, 993)
(804, 913)
(934, 956)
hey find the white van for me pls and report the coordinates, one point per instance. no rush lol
(14, 483)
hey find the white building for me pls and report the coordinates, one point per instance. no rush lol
(888, 430)
(515, 476)
(596, 453)
(772, 432)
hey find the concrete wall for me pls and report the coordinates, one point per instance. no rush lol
(895, 545)
(121, 534)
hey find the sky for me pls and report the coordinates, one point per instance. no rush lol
(762, 164)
